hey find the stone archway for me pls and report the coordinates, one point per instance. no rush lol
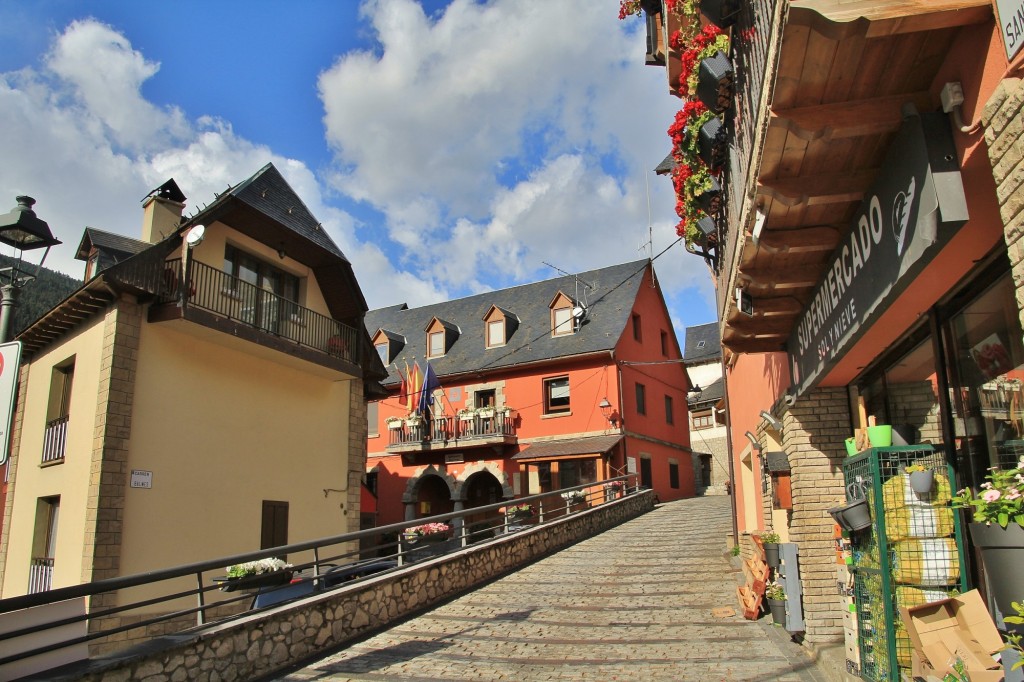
(479, 485)
(431, 487)
(478, 467)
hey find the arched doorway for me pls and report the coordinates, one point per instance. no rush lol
(433, 497)
(481, 489)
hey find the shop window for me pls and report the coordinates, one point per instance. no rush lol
(556, 395)
(641, 399)
(577, 472)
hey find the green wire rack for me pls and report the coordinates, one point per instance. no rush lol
(912, 554)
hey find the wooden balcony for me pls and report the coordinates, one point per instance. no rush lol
(446, 432)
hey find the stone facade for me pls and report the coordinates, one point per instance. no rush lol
(1003, 120)
(262, 643)
(814, 430)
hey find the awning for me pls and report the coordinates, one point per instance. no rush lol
(568, 448)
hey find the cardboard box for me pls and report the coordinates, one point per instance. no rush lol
(956, 628)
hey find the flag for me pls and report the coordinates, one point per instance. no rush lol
(430, 384)
(415, 382)
(403, 387)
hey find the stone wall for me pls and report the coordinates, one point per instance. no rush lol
(1003, 119)
(813, 433)
(263, 642)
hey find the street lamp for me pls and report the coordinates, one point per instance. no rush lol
(25, 232)
(609, 412)
(694, 394)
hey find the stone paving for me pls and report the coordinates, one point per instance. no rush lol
(633, 603)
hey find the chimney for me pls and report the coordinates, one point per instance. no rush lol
(162, 210)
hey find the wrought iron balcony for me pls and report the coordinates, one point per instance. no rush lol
(40, 574)
(217, 299)
(412, 434)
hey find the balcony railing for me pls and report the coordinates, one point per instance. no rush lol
(217, 292)
(40, 575)
(54, 439)
(442, 430)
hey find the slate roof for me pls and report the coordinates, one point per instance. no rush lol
(609, 304)
(567, 447)
(712, 348)
(711, 393)
(110, 242)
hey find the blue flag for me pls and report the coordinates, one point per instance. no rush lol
(430, 384)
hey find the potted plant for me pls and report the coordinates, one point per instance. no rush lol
(518, 512)
(574, 497)
(714, 82)
(775, 595)
(428, 532)
(1013, 639)
(921, 478)
(256, 574)
(770, 542)
(485, 412)
(394, 423)
(998, 531)
(415, 419)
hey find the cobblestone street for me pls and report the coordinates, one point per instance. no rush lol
(633, 603)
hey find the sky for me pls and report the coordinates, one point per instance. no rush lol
(449, 148)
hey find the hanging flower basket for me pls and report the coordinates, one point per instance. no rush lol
(714, 82)
(707, 232)
(710, 200)
(712, 143)
(721, 13)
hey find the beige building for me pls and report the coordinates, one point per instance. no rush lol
(202, 394)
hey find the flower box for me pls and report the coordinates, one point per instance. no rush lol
(712, 143)
(255, 582)
(485, 412)
(394, 423)
(714, 84)
(710, 200)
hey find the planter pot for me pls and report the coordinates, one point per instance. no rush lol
(921, 482)
(905, 432)
(880, 436)
(485, 413)
(1002, 554)
(771, 554)
(710, 200)
(721, 13)
(712, 143)
(778, 609)
(714, 82)
(855, 514)
(851, 446)
(517, 518)
(255, 582)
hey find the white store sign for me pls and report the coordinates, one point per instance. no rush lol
(10, 357)
(1010, 14)
(142, 479)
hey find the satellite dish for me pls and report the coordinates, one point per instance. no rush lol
(195, 235)
(578, 312)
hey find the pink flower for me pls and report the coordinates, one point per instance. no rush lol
(1012, 494)
(986, 486)
(991, 495)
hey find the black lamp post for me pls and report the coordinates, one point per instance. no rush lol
(25, 232)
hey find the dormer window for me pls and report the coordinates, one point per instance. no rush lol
(441, 336)
(499, 325)
(388, 345)
(562, 321)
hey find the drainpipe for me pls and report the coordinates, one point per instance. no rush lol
(622, 418)
(728, 447)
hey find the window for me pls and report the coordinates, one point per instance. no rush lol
(44, 544)
(637, 332)
(58, 410)
(268, 295)
(664, 343)
(704, 419)
(576, 472)
(669, 416)
(486, 398)
(382, 351)
(372, 417)
(495, 333)
(701, 344)
(561, 321)
(274, 530)
(435, 344)
(641, 399)
(556, 395)
(673, 474)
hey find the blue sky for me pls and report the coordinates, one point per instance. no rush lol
(449, 148)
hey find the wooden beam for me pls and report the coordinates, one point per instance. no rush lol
(840, 120)
(802, 240)
(788, 278)
(819, 189)
(890, 17)
(778, 306)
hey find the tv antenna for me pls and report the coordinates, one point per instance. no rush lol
(579, 309)
(649, 245)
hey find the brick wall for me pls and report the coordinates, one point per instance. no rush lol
(813, 433)
(1003, 119)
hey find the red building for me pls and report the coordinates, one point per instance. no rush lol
(542, 386)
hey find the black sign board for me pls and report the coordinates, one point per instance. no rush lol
(914, 208)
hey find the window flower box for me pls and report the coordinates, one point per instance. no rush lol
(253, 575)
(485, 412)
(714, 82)
(712, 143)
(710, 200)
(428, 532)
(394, 423)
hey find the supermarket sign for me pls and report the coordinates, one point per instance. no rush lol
(1010, 14)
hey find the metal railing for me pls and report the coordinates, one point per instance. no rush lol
(55, 437)
(439, 430)
(164, 600)
(40, 575)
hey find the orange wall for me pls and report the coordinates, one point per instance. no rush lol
(754, 383)
(977, 60)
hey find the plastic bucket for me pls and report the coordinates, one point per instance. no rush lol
(880, 436)
(851, 446)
